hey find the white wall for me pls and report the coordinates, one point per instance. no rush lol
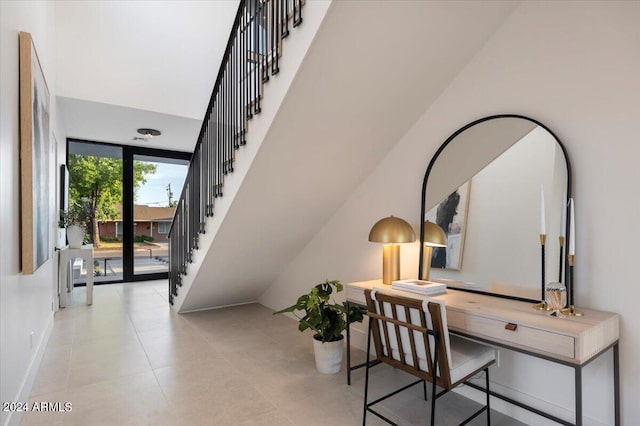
(573, 66)
(26, 300)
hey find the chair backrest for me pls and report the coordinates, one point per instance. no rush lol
(407, 331)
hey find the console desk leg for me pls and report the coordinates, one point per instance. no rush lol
(616, 383)
(578, 395)
(348, 348)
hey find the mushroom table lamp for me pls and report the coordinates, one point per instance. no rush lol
(433, 236)
(391, 231)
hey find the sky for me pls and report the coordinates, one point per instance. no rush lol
(154, 192)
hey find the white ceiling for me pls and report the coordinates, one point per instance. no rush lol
(99, 122)
(146, 56)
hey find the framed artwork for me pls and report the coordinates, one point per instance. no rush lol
(451, 216)
(34, 158)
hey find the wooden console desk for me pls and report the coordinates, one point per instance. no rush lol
(67, 254)
(571, 341)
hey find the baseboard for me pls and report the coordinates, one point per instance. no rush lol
(218, 307)
(14, 418)
(521, 414)
(358, 340)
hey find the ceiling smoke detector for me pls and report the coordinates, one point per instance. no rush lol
(149, 132)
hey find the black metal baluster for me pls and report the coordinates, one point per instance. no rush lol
(219, 169)
(208, 162)
(187, 244)
(247, 48)
(234, 126)
(228, 121)
(192, 208)
(275, 50)
(244, 79)
(243, 33)
(230, 112)
(210, 187)
(203, 177)
(254, 61)
(234, 101)
(295, 12)
(285, 19)
(201, 188)
(223, 123)
(264, 19)
(297, 19)
(256, 53)
(214, 151)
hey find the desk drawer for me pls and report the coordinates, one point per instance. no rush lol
(356, 295)
(524, 337)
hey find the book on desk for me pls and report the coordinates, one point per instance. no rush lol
(426, 288)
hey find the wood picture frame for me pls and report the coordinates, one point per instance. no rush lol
(34, 158)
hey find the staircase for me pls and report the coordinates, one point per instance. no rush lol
(251, 57)
(353, 79)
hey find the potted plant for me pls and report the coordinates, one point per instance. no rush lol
(71, 220)
(328, 320)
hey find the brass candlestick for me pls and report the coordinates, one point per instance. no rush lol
(542, 306)
(571, 310)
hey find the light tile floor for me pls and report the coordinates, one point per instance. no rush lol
(130, 360)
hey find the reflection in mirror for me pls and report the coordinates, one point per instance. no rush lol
(483, 190)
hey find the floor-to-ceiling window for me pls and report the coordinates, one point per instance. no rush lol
(125, 197)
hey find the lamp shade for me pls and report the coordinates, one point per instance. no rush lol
(433, 235)
(392, 230)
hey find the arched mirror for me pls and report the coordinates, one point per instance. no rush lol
(484, 187)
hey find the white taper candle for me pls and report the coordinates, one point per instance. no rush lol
(543, 227)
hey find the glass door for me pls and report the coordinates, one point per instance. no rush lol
(95, 202)
(154, 203)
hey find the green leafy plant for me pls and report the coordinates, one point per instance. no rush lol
(73, 216)
(327, 318)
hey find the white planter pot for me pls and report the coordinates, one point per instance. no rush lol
(328, 356)
(75, 235)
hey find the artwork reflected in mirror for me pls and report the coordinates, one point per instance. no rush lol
(498, 222)
(451, 215)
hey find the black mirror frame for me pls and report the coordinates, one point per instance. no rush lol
(424, 188)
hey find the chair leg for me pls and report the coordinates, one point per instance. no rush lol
(486, 370)
(433, 402)
(366, 376)
(424, 386)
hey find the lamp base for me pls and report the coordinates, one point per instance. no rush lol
(390, 263)
(542, 306)
(426, 262)
(572, 311)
